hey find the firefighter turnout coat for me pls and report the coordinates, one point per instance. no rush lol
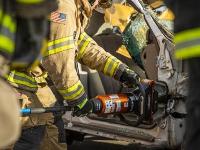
(68, 43)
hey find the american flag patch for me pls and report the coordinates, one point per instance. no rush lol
(58, 17)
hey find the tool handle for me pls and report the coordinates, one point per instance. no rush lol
(28, 111)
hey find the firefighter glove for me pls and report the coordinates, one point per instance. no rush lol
(127, 76)
(83, 109)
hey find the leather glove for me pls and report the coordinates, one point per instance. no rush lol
(127, 76)
(83, 109)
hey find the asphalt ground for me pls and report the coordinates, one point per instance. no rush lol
(97, 143)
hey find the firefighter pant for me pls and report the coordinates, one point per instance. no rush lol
(43, 137)
(192, 135)
(38, 130)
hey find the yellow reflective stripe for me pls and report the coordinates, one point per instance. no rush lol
(107, 65)
(60, 49)
(187, 35)
(21, 82)
(72, 92)
(115, 66)
(82, 49)
(23, 75)
(8, 22)
(60, 45)
(82, 104)
(111, 65)
(188, 52)
(187, 44)
(74, 96)
(51, 43)
(87, 41)
(8, 26)
(6, 44)
(70, 89)
(81, 37)
(21, 79)
(82, 44)
(30, 1)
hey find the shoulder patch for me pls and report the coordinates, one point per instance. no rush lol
(58, 17)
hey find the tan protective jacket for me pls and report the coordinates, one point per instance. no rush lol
(68, 43)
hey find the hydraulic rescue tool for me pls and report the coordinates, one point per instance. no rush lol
(142, 101)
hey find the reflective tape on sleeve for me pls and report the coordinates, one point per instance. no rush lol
(22, 81)
(83, 42)
(60, 45)
(6, 44)
(79, 101)
(7, 33)
(8, 22)
(111, 66)
(83, 102)
(187, 36)
(188, 52)
(187, 44)
(73, 92)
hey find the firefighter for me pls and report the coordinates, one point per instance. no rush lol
(15, 18)
(9, 107)
(187, 39)
(68, 43)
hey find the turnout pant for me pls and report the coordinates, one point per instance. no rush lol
(42, 137)
(39, 131)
